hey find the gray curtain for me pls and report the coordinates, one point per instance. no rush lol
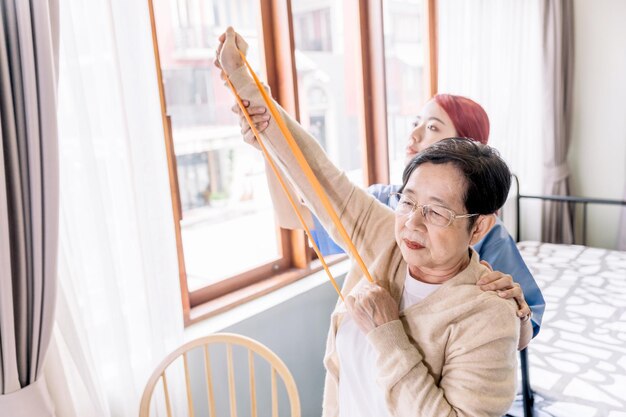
(558, 61)
(28, 201)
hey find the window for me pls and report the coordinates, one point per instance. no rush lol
(230, 248)
(407, 58)
(312, 27)
(322, 71)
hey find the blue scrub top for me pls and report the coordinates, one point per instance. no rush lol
(497, 247)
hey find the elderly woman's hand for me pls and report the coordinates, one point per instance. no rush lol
(227, 56)
(372, 306)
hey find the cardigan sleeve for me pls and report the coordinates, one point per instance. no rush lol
(359, 212)
(478, 376)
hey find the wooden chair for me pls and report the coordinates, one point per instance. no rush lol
(277, 366)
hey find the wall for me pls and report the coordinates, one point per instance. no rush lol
(598, 151)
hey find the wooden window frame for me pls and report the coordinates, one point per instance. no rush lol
(279, 60)
(373, 101)
(430, 33)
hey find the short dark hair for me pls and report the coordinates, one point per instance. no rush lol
(487, 176)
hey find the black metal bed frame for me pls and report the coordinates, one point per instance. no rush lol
(527, 392)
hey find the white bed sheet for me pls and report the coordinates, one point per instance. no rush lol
(578, 360)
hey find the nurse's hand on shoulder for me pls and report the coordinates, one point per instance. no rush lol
(505, 287)
(372, 306)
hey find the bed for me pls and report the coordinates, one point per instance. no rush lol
(576, 366)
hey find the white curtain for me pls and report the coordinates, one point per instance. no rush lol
(490, 51)
(119, 309)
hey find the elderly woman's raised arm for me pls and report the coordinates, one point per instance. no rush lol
(341, 193)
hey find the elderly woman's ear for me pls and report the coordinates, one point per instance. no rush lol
(483, 224)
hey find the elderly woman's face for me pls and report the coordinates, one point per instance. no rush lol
(426, 247)
(430, 126)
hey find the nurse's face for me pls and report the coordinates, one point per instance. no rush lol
(430, 126)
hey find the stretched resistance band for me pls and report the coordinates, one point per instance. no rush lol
(304, 165)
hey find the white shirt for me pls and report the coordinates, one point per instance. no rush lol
(359, 394)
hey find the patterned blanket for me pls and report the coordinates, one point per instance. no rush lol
(578, 360)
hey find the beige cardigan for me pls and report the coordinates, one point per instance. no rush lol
(454, 353)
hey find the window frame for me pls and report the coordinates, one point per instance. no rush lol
(278, 58)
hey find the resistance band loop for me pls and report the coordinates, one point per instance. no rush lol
(284, 187)
(317, 187)
(304, 165)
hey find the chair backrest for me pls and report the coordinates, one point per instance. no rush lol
(277, 366)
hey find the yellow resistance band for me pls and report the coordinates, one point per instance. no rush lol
(284, 187)
(304, 165)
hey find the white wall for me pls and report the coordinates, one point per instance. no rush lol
(598, 151)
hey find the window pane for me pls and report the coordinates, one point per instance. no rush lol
(228, 222)
(405, 55)
(326, 60)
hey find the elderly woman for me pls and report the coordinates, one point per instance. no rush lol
(425, 340)
(443, 116)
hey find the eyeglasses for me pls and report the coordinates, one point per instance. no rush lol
(432, 213)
